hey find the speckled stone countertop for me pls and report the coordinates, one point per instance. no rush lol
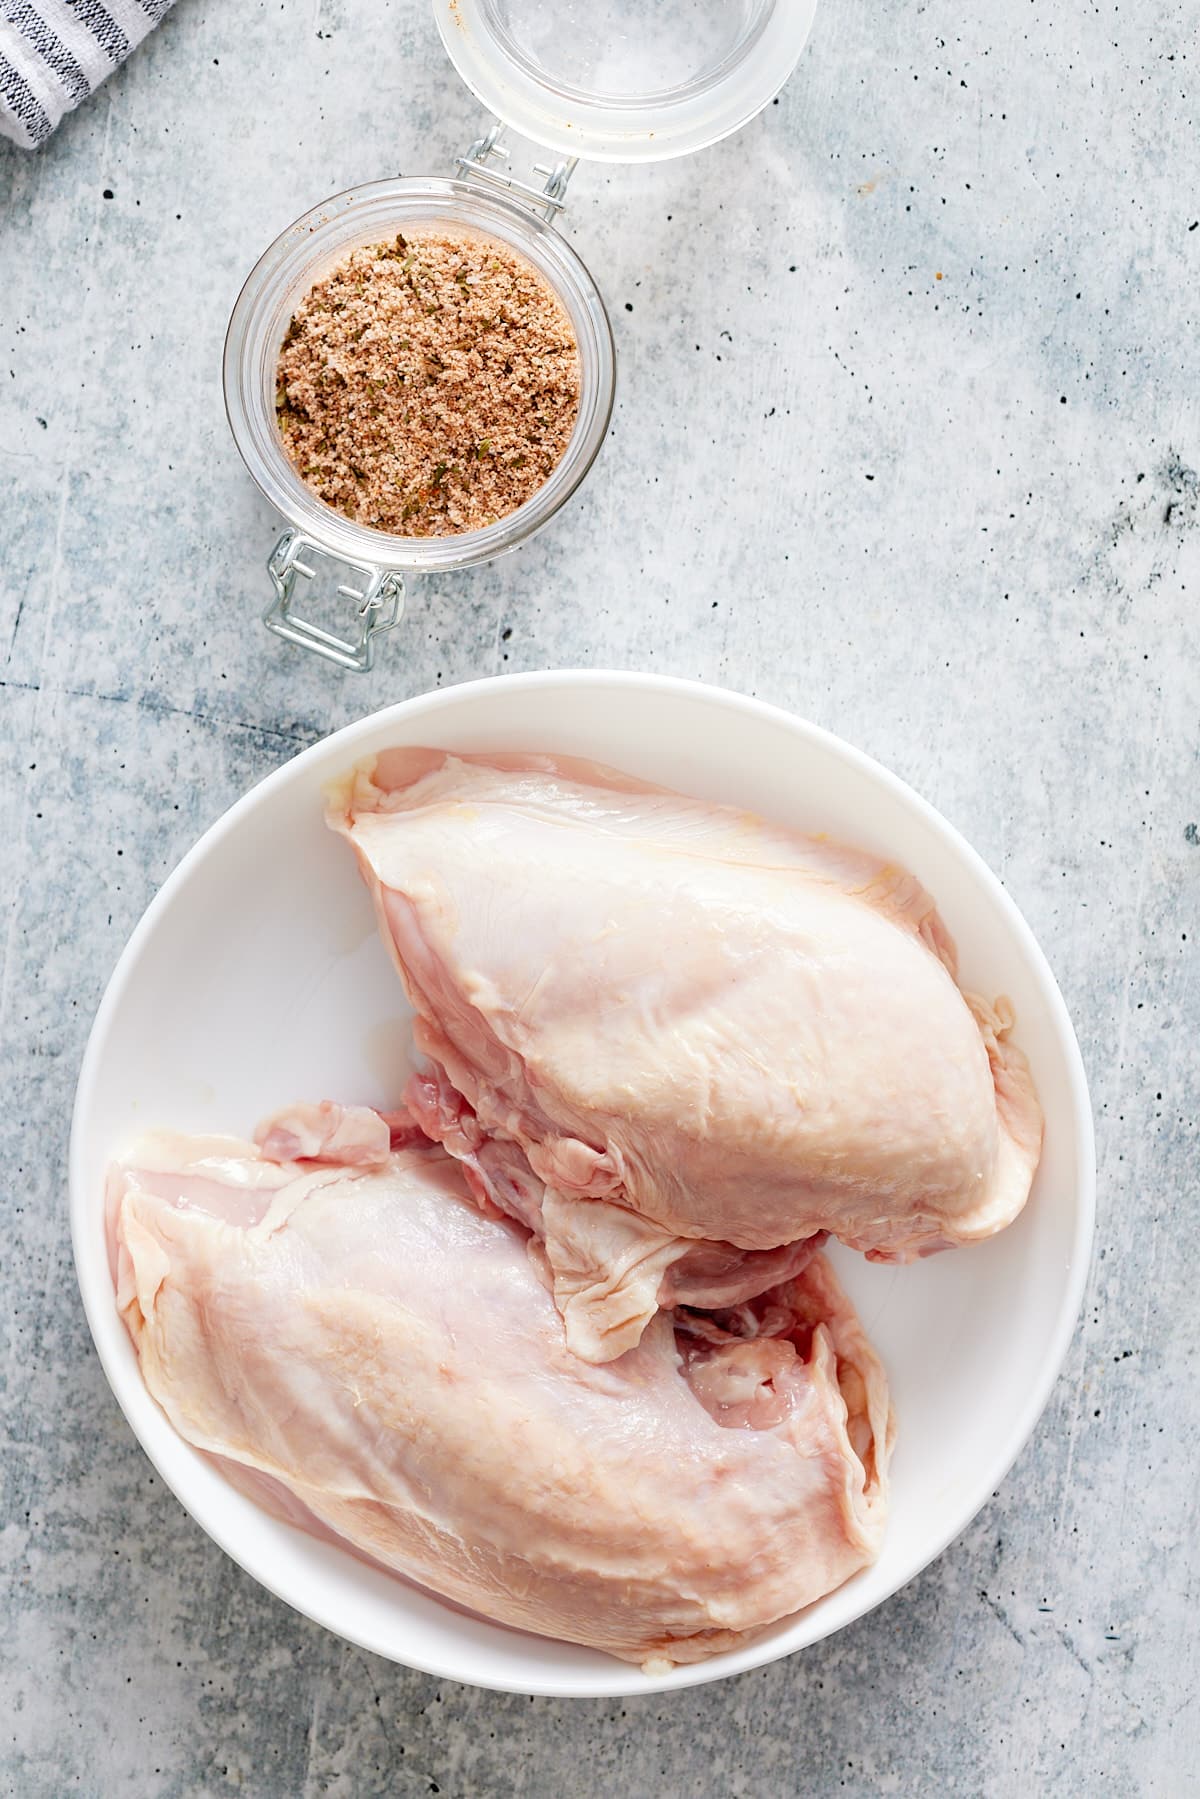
(906, 440)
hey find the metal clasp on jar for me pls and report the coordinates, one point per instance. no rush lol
(376, 594)
(549, 199)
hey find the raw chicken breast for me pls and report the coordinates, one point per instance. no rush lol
(605, 1309)
(378, 1361)
(691, 1025)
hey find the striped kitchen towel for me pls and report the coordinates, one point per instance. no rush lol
(54, 53)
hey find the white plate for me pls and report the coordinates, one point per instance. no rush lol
(255, 978)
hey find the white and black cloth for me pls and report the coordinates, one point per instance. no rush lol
(54, 53)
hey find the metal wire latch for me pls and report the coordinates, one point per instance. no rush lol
(377, 595)
(549, 199)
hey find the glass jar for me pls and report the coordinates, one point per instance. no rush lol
(625, 80)
(599, 79)
(363, 566)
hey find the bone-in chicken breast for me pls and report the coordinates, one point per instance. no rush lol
(370, 1354)
(685, 1025)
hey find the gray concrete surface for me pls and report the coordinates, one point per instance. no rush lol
(907, 440)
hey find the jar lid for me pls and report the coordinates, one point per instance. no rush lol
(624, 80)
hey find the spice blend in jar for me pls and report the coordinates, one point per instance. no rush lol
(428, 386)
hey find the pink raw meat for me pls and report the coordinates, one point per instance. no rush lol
(665, 1023)
(374, 1359)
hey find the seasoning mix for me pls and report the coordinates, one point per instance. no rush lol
(428, 386)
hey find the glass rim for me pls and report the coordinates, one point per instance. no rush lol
(649, 127)
(651, 98)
